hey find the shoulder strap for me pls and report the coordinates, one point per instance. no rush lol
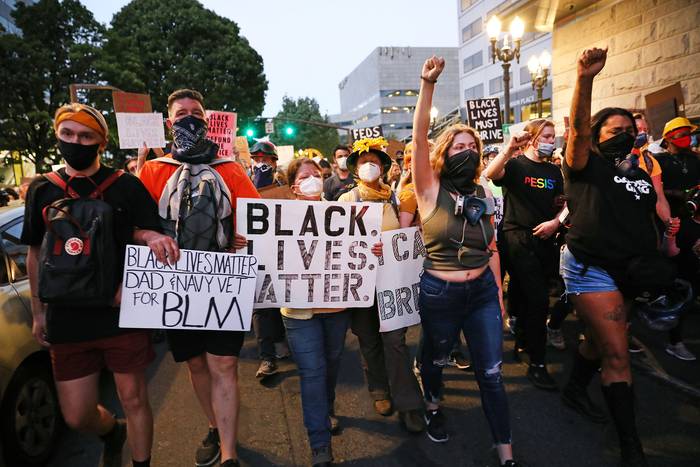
(648, 162)
(356, 194)
(102, 187)
(56, 179)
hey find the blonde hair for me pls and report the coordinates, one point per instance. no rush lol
(536, 127)
(444, 141)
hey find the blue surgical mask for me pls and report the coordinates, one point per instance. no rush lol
(545, 150)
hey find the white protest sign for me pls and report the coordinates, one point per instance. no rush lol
(312, 253)
(138, 128)
(398, 278)
(204, 290)
(285, 155)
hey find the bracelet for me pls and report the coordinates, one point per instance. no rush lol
(431, 81)
(669, 236)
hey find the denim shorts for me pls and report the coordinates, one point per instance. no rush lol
(594, 279)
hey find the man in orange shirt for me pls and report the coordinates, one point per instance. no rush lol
(211, 356)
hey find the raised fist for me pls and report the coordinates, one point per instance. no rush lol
(592, 61)
(432, 68)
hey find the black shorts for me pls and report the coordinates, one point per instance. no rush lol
(186, 344)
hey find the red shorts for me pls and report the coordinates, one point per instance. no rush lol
(125, 353)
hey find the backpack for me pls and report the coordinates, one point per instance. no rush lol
(195, 207)
(78, 261)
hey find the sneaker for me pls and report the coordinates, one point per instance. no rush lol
(633, 346)
(680, 351)
(383, 407)
(231, 463)
(413, 420)
(459, 361)
(114, 442)
(435, 426)
(209, 450)
(267, 368)
(321, 457)
(555, 338)
(539, 376)
(282, 350)
(512, 322)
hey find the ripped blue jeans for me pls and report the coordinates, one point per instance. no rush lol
(445, 309)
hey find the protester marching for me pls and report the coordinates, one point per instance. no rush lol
(274, 272)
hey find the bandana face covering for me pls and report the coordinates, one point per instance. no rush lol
(190, 143)
(263, 175)
(617, 147)
(460, 170)
(78, 156)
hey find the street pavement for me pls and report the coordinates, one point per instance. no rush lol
(545, 433)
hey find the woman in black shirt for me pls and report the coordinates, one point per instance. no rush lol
(612, 205)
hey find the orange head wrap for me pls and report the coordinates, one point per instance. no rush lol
(85, 115)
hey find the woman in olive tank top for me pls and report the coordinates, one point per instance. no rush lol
(460, 288)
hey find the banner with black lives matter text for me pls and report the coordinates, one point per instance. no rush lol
(222, 130)
(204, 290)
(311, 254)
(398, 278)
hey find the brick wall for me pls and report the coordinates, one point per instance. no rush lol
(652, 44)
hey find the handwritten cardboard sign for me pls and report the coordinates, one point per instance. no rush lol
(222, 130)
(398, 278)
(130, 102)
(484, 116)
(310, 253)
(369, 132)
(135, 129)
(204, 290)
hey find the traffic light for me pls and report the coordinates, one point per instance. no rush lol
(250, 132)
(289, 130)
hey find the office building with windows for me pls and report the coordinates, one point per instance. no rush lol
(6, 20)
(383, 89)
(480, 77)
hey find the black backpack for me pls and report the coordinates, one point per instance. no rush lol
(78, 263)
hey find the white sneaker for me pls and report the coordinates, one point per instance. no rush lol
(680, 351)
(555, 338)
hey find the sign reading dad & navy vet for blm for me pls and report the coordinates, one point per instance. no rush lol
(398, 278)
(311, 254)
(204, 290)
(484, 116)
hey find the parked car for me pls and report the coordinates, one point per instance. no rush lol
(30, 418)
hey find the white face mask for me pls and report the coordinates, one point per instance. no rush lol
(369, 172)
(311, 186)
(342, 163)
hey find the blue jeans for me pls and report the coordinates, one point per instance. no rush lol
(472, 306)
(317, 345)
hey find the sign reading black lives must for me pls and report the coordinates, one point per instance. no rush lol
(484, 116)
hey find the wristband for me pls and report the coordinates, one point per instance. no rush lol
(431, 81)
(669, 236)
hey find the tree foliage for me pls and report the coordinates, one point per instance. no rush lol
(305, 135)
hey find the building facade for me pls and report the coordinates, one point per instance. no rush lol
(383, 89)
(6, 19)
(479, 77)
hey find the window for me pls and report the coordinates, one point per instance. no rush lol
(468, 3)
(530, 111)
(496, 84)
(15, 251)
(475, 92)
(471, 30)
(399, 92)
(473, 61)
(525, 75)
(398, 109)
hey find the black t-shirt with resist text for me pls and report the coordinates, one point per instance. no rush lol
(133, 207)
(612, 215)
(529, 192)
(334, 186)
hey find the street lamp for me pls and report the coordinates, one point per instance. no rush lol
(505, 53)
(433, 116)
(539, 70)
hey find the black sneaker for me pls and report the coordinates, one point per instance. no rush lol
(230, 463)
(458, 360)
(267, 368)
(209, 450)
(539, 376)
(114, 442)
(321, 457)
(633, 346)
(435, 421)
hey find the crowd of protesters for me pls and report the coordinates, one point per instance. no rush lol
(599, 221)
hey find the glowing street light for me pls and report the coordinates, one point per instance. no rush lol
(506, 53)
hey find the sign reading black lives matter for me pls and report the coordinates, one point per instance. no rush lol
(398, 278)
(204, 290)
(312, 254)
(485, 117)
(369, 132)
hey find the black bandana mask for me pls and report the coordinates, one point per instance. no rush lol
(617, 148)
(460, 170)
(190, 143)
(78, 156)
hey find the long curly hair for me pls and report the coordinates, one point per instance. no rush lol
(444, 141)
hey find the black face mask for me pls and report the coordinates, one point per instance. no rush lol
(618, 147)
(460, 170)
(78, 156)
